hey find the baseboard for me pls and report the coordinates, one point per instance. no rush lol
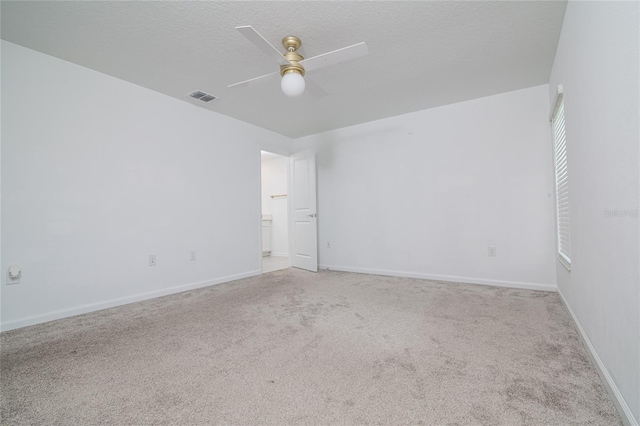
(614, 392)
(65, 313)
(279, 254)
(452, 278)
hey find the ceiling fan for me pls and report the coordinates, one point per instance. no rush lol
(293, 66)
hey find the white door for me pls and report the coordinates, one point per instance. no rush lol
(304, 220)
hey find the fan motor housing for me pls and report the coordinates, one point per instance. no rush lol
(294, 66)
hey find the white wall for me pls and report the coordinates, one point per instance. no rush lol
(424, 194)
(97, 174)
(597, 64)
(275, 172)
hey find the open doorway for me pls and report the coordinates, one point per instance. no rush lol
(275, 211)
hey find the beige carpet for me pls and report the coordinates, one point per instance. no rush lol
(292, 347)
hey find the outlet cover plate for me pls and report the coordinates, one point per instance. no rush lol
(13, 281)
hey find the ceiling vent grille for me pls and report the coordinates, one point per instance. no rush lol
(202, 96)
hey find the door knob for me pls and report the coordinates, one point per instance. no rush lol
(312, 215)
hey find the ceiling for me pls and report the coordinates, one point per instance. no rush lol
(422, 54)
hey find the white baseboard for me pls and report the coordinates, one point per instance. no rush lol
(618, 399)
(452, 278)
(91, 307)
(279, 254)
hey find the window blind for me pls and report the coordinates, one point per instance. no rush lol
(562, 183)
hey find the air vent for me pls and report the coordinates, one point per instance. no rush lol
(204, 97)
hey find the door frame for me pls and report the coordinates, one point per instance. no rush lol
(287, 155)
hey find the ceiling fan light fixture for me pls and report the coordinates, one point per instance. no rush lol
(292, 84)
(292, 64)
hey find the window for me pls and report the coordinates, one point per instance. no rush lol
(562, 181)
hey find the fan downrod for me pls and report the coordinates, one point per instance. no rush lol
(292, 43)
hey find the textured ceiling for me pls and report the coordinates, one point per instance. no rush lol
(422, 54)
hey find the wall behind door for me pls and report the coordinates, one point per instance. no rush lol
(424, 194)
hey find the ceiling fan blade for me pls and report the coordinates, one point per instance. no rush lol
(314, 88)
(262, 44)
(335, 56)
(253, 81)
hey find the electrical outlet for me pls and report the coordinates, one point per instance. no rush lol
(492, 251)
(152, 260)
(192, 254)
(328, 244)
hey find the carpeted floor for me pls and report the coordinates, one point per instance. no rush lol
(297, 348)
